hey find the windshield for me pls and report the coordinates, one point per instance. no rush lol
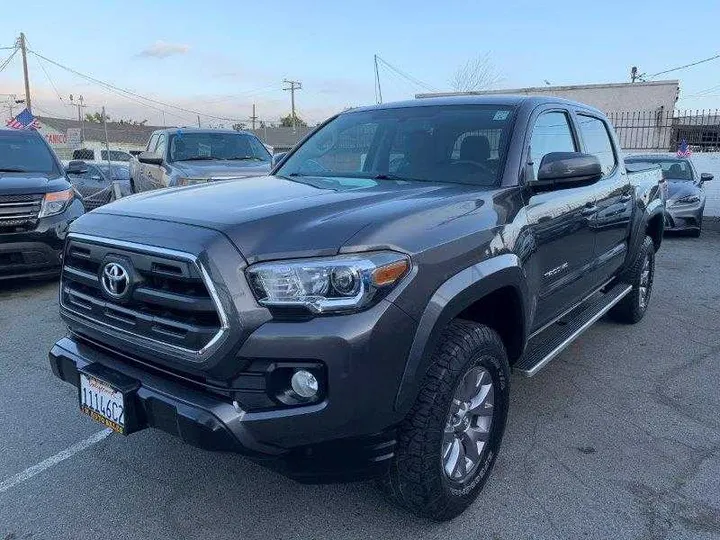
(455, 144)
(25, 151)
(232, 146)
(674, 169)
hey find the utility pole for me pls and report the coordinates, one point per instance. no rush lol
(253, 118)
(25, 71)
(294, 85)
(199, 120)
(377, 80)
(81, 116)
(164, 124)
(107, 143)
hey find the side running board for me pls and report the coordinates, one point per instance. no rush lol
(546, 345)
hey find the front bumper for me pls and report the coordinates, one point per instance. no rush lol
(36, 253)
(684, 217)
(349, 435)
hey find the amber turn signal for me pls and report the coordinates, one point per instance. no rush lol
(60, 196)
(390, 273)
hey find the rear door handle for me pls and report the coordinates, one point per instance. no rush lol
(626, 198)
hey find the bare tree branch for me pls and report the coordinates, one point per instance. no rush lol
(478, 73)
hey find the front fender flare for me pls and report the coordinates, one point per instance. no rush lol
(449, 300)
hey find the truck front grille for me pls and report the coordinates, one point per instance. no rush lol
(167, 300)
(19, 210)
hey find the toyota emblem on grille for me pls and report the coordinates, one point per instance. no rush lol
(115, 279)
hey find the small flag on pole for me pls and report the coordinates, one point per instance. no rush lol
(684, 149)
(24, 120)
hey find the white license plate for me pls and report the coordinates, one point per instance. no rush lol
(102, 402)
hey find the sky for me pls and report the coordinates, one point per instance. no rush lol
(218, 57)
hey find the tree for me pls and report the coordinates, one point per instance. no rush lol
(478, 73)
(287, 121)
(96, 117)
(241, 126)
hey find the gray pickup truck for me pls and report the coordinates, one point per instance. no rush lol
(358, 312)
(188, 156)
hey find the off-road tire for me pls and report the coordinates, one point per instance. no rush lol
(416, 479)
(630, 310)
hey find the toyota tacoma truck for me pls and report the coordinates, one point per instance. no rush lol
(37, 205)
(358, 312)
(188, 156)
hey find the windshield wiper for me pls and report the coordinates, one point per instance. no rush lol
(391, 176)
(198, 158)
(9, 169)
(245, 158)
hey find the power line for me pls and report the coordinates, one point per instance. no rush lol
(7, 61)
(685, 66)
(247, 93)
(47, 76)
(130, 93)
(407, 76)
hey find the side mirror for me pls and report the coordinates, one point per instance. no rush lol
(151, 158)
(277, 158)
(76, 167)
(706, 177)
(567, 169)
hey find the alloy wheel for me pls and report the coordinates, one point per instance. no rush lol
(468, 426)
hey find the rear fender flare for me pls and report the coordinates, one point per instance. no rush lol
(450, 299)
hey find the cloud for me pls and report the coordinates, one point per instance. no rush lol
(162, 49)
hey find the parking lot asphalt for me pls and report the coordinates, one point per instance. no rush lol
(619, 437)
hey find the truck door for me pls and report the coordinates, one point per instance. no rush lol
(155, 174)
(559, 220)
(138, 171)
(613, 197)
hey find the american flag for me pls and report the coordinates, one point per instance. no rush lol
(24, 120)
(684, 149)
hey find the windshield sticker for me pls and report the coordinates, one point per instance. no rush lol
(501, 115)
(204, 150)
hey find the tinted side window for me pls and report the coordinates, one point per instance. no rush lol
(597, 141)
(151, 143)
(161, 145)
(551, 134)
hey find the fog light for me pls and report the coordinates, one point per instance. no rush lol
(304, 384)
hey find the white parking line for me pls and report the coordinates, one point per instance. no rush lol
(53, 460)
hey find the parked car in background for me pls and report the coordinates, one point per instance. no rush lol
(357, 311)
(685, 190)
(185, 156)
(37, 205)
(94, 181)
(97, 154)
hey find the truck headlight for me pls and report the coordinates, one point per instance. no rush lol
(56, 202)
(690, 199)
(183, 181)
(325, 285)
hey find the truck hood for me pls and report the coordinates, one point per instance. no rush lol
(273, 217)
(30, 183)
(222, 169)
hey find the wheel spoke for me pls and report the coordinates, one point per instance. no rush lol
(470, 444)
(469, 385)
(482, 403)
(451, 457)
(460, 468)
